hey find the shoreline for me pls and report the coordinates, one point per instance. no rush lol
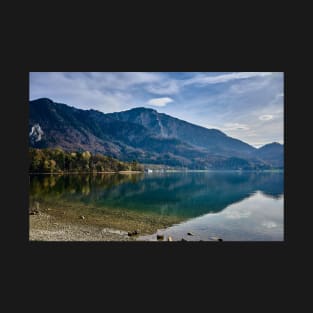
(156, 171)
(89, 173)
(78, 223)
(44, 227)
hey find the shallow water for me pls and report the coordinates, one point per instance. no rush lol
(240, 206)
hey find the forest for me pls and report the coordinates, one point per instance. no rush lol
(59, 161)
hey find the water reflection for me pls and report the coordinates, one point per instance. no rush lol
(255, 218)
(181, 194)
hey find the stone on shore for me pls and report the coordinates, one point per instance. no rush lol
(133, 233)
(160, 237)
(216, 239)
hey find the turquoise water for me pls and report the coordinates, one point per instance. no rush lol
(231, 205)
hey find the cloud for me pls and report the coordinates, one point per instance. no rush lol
(266, 117)
(81, 90)
(239, 103)
(168, 87)
(237, 214)
(160, 102)
(244, 86)
(205, 79)
(113, 80)
(235, 126)
(103, 91)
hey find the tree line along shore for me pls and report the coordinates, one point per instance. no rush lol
(59, 161)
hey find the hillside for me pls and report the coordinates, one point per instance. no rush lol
(144, 135)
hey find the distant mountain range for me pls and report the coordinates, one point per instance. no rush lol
(146, 136)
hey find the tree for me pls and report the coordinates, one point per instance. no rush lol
(36, 160)
(57, 160)
(134, 165)
(52, 166)
(46, 166)
(86, 155)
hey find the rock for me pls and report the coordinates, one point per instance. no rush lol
(160, 237)
(34, 212)
(169, 238)
(183, 239)
(190, 234)
(132, 233)
(216, 239)
(82, 217)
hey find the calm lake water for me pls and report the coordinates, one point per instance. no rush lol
(238, 206)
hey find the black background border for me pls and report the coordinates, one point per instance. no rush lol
(178, 48)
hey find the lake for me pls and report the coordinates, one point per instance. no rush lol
(232, 205)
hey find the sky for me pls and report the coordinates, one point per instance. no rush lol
(245, 105)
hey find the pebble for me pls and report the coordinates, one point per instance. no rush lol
(160, 237)
(216, 239)
(82, 217)
(190, 234)
(134, 232)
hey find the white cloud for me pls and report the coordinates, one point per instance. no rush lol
(204, 79)
(237, 214)
(160, 102)
(235, 126)
(243, 87)
(242, 107)
(112, 80)
(266, 117)
(168, 87)
(81, 90)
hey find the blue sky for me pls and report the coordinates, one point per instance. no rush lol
(245, 105)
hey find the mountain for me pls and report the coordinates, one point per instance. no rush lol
(272, 153)
(142, 134)
(165, 126)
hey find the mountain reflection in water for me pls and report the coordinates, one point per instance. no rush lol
(185, 194)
